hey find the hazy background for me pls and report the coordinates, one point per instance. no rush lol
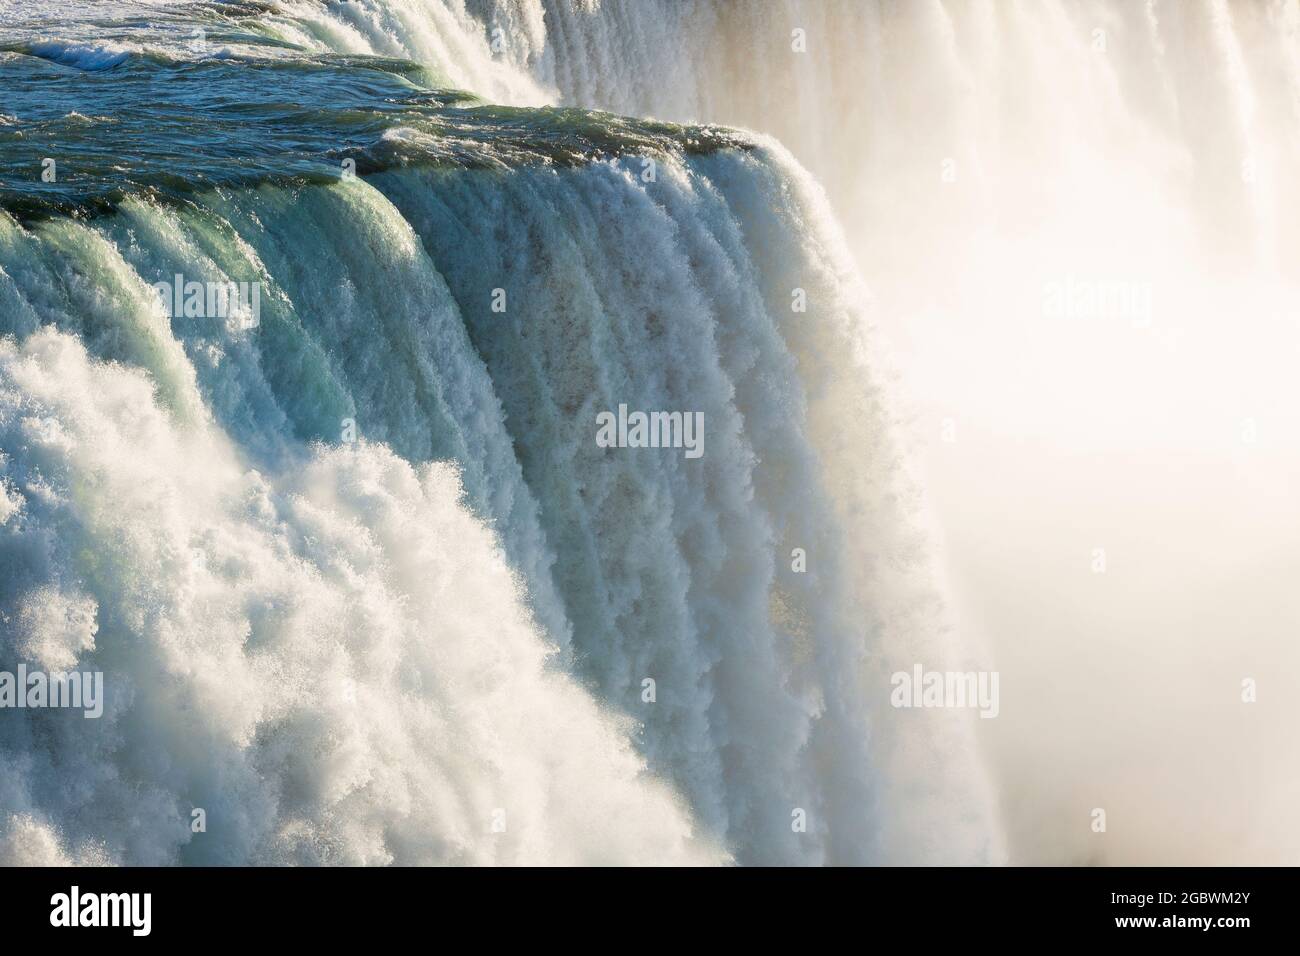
(982, 158)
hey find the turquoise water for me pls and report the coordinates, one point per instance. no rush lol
(131, 105)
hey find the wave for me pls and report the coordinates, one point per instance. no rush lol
(83, 56)
(281, 653)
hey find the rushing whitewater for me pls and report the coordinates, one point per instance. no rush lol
(281, 653)
(362, 583)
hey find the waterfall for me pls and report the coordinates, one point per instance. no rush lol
(365, 586)
(634, 565)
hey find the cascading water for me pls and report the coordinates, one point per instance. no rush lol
(362, 582)
(433, 643)
(1079, 222)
